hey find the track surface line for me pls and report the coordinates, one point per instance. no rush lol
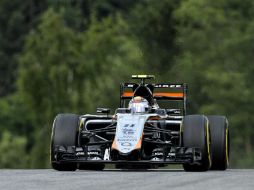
(48, 179)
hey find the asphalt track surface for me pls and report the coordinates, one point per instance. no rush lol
(118, 180)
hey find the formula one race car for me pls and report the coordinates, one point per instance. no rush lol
(150, 129)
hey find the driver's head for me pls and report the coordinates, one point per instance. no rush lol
(138, 105)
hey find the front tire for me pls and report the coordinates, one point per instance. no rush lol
(196, 134)
(220, 142)
(64, 133)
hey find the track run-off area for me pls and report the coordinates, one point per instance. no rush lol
(48, 179)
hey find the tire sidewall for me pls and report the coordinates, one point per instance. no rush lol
(196, 134)
(64, 133)
(220, 141)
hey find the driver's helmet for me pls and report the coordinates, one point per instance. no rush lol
(138, 105)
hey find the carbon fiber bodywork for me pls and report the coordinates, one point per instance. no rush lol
(161, 143)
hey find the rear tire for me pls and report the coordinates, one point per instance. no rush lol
(220, 142)
(64, 133)
(196, 134)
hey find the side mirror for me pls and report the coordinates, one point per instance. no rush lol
(173, 111)
(103, 111)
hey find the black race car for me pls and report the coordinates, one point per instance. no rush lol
(150, 129)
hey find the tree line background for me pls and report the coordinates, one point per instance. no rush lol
(70, 56)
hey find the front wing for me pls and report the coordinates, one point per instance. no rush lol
(72, 154)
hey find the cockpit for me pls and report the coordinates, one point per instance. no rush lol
(138, 104)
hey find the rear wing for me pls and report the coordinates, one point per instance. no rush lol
(161, 91)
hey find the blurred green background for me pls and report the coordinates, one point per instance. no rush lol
(70, 56)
